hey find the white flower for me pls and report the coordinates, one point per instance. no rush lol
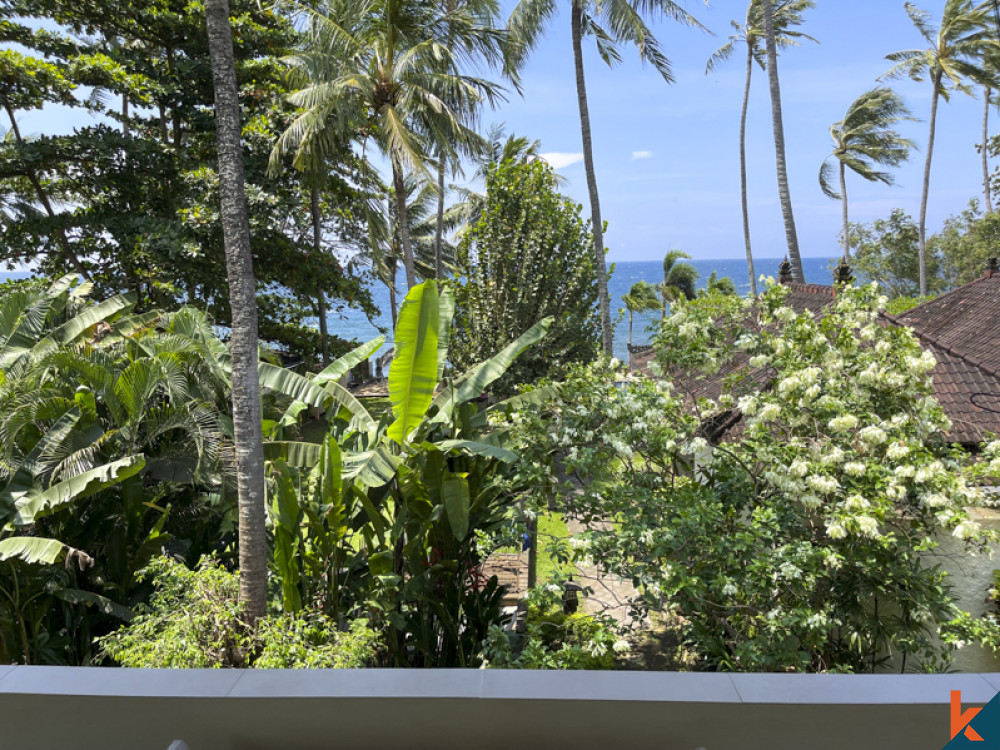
(823, 484)
(798, 468)
(934, 500)
(856, 502)
(868, 525)
(761, 360)
(897, 451)
(621, 646)
(747, 405)
(789, 572)
(770, 412)
(835, 531)
(966, 530)
(785, 314)
(872, 435)
(730, 589)
(904, 472)
(854, 468)
(810, 501)
(844, 423)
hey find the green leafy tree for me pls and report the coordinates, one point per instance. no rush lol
(886, 251)
(717, 285)
(954, 56)
(611, 24)
(642, 297)
(787, 14)
(526, 259)
(864, 141)
(964, 244)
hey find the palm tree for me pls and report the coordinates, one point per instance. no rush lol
(611, 22)
(784, 195)
(247, 435)
(380, 66)
(863, 141)
(642, 297)
(679, 278)
(956, 53)
(786, 15)
(991, 65)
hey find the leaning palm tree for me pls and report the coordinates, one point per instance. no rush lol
(610, 22)
(863, 141)
(642, 297)
(784, 194)
(679, 278)
(991, 64)
(787, 14)
(955, 55)
(247, 436)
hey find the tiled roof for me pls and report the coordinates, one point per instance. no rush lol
(962, 330)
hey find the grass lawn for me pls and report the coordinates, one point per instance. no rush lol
(551, 528)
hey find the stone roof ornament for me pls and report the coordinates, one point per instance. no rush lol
(843, 274)
(785, 272)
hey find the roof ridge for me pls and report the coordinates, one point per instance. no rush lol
(950, 292)
(991, 371)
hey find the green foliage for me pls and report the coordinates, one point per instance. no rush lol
(718, 285)
(192, 621)
(555, 640)
(388, 520)
(802, 541)
(141, 182)
(886, 251)
(964, 244)
(679, 278)
(527, 258)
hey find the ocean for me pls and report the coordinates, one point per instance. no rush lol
(352, 324)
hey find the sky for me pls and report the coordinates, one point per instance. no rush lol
(667, 156)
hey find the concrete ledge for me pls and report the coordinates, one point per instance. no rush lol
(106, 709)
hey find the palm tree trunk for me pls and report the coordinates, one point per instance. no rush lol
(784, 193)
(403, 223)
(439, 229)
(987, 193)
(604, 303)
(392, 309)
(743, 172)
(247, 434)
(320, 297)
(936, 81)
(843, 196)
(630, 328)
(43, 198)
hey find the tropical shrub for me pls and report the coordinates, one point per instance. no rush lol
(528, 257)
(388, 520)
(804, 541)
(192, 620)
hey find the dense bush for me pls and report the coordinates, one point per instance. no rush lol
(800, 542)
(192, 620)
(528, 257)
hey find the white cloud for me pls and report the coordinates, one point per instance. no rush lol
(558, 160)
(642, 154)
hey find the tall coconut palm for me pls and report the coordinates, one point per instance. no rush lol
(787, 14)
(991, 64)
(863, 141)
(470, 14)
(642, 297)
(955, 55)
(610, 22)
(679, 278)
(784, 194)
(381, 66)
(247, 435)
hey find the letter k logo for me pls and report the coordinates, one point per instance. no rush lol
(960, 720)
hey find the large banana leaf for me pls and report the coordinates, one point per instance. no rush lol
(479, 378)
(68, 331)
(374, 468)
(455, 493)
(38, 503)
(479, 449)
(536, 397)
(23, 479)
(342, 366)
(286, 516)
(446, 307)
(343, 397)
(295, 454)
(32, 549)
(291, 384)
(102, 603)
(413, 376)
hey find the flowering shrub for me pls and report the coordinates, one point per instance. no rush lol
(799, 542)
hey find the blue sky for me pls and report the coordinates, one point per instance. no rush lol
(667, 156)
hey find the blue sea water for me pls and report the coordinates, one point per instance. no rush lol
(353, 324)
